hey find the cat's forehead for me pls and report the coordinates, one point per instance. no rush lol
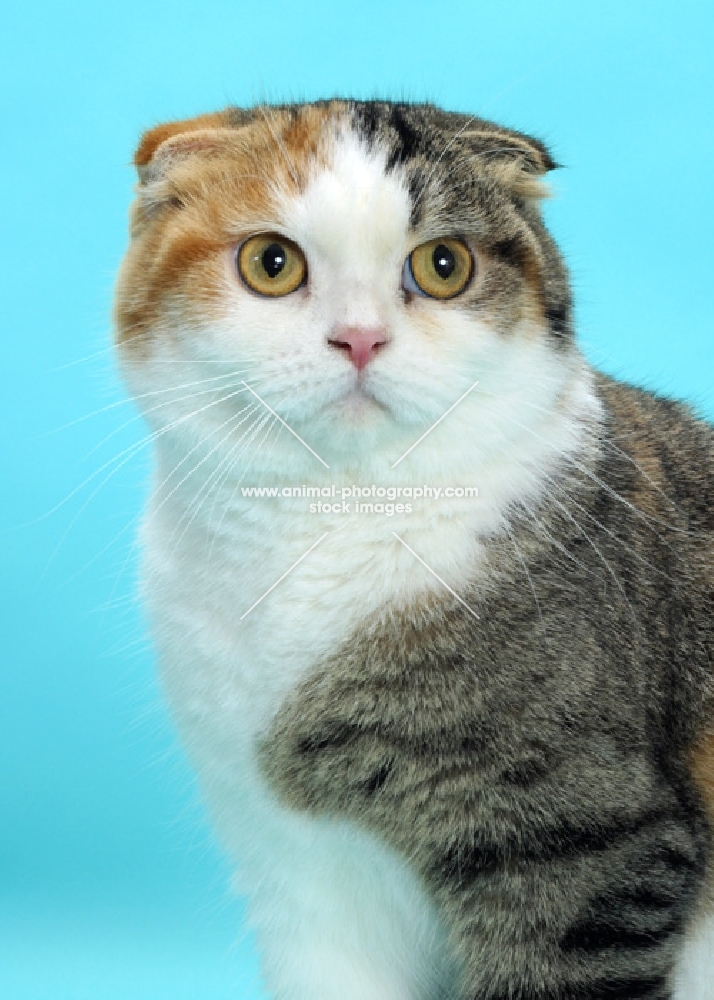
(382, 150)
(444, 161)
(351, 198)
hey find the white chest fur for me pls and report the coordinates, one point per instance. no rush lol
(337, 913)
(332, 906)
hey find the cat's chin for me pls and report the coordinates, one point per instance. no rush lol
(356, 422)
(359, 406)
(355, 409)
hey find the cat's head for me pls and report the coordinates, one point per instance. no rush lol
(359, 265)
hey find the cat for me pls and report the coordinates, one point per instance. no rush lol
(464, 747)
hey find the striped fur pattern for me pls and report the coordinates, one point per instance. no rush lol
(422, 803)
(533, 764)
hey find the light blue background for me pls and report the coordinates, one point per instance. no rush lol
(110, 888)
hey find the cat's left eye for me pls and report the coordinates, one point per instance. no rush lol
(271, 265)
(439, 269)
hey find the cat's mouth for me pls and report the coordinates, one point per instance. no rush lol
(357, 405)
(359, 401)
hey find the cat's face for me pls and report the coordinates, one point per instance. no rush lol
(360, 266)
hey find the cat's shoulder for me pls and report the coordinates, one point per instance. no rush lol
(666, 453)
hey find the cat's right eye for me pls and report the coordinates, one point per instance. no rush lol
(439, 269)
(271, 265)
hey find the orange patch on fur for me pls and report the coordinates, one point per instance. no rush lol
(702, 770)
(151, 140)
(647, 492)
(647, 497)
(200, 196)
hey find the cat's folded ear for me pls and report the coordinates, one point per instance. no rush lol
(518, 159)
(533, 155)
(163, 146)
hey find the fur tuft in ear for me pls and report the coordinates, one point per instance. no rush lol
(166, 143)
(531, 155)
(520, 181)
(178, 147)
(155, 137)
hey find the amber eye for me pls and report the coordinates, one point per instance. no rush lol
(439, 269)
(271, 265)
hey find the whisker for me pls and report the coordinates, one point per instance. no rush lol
(217, 529)
(178, 485)
(524, 567)
(647, 518)
(250, 408)
(113, 603)
(603, 439)
(143, 414)
(591, 517)
(197, 503)
(105, 548)
(542, 474)
(134, 547)
(609, 443)
(135, 398)
(126, 455)
(602, 558)
(104, 351)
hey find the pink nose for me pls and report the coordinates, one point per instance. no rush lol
(361, 342)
